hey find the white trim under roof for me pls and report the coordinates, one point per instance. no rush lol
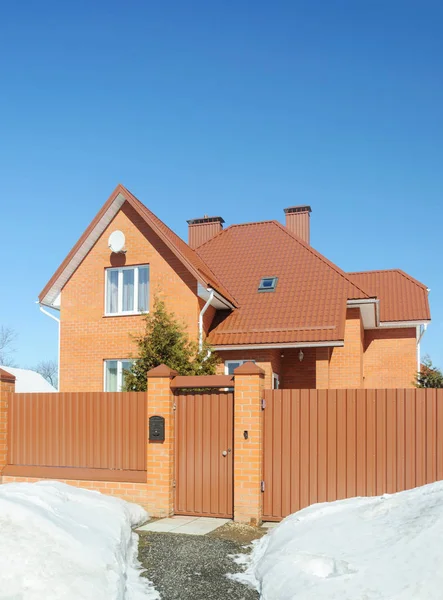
(369, 309)
(279, 346)
(401, 324)
(218, 301)
(51, 297)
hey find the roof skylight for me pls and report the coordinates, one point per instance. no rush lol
(267, 284)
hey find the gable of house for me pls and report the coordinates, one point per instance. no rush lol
(89, 336)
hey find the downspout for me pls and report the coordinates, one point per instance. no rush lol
(200, 319)
(420, 332)
(48, 314)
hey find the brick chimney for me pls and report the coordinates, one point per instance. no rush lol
(297, 220)
(202, 230)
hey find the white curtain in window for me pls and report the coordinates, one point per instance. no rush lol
(112, 292)
(143, 289)
(128, 290)
(111, 376)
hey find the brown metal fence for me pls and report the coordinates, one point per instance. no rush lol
(80, 435)
(323, 445)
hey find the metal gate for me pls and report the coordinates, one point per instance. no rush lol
(204, 454)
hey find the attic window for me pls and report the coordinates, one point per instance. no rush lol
(267, 284)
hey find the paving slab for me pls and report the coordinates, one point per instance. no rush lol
(269, 525)
(185, 525)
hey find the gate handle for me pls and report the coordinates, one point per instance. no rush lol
(225, 452)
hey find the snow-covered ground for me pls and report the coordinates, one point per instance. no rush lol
(384, 548)
(60, 542)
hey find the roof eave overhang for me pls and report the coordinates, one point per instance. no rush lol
(401, 324)
(220, 348)
(369, 310)
(218, 301)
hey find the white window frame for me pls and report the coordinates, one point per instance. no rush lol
(119, 362)
(120, 270)
(275, 379)
(241, 361)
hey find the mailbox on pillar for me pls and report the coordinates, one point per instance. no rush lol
(156, 429)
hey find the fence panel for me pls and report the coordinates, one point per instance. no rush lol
(87, 430)
(324, 445)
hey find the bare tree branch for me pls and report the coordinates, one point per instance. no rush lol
(7, 339)
(49, 370)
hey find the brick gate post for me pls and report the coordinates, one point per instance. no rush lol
(248, 443)
(7, 386)
(160, 454)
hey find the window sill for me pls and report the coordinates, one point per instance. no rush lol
(125, 314)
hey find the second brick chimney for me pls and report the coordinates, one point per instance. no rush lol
(297, 220)
(202, 230)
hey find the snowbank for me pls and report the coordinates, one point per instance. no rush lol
(384, 548)
(57, 541)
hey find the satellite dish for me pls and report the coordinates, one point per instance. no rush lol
(117, 241)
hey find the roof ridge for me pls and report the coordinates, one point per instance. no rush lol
(372, 271)
(251, 223)
(399, 271)
(321, 257)
(217, 235)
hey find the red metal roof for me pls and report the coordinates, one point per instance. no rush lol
(308, 304)
(402, 298)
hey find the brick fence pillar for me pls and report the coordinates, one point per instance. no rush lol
(160, 455)
(248, 443)
(7, 387)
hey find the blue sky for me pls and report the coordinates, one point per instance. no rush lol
(236, 108)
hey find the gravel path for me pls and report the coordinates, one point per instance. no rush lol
(188, 567)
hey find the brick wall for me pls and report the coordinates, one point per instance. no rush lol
(87, 337)
(346, 362)
(322, 356)
(268, 360)
(296, 373)
(208, 316)
(370, 359)
(132, 492)
(390, 358)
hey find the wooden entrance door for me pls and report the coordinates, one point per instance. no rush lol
(204, 454)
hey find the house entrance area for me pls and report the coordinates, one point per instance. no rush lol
(204, 438)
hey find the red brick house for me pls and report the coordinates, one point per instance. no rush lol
(255, 291)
